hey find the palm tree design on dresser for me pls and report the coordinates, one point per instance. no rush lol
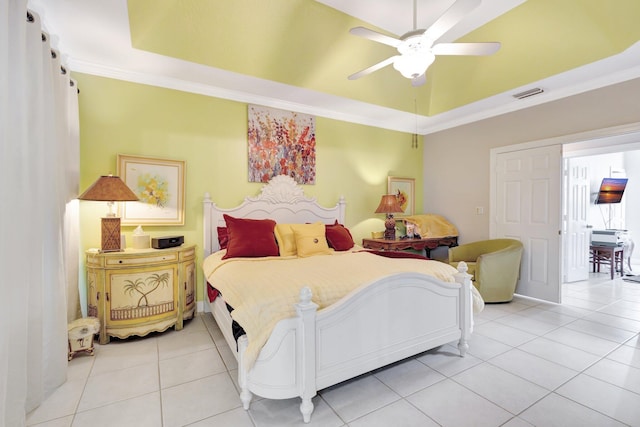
(155, 280)
(92, 304)
(144, 287)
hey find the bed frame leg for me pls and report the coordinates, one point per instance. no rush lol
(466, 308)
(305, 348)
(463, 346)
(306, 407)
(245, 394)
(245, 397)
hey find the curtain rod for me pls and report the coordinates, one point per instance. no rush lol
(54, 54)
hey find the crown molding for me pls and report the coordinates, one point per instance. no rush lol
(252, 90)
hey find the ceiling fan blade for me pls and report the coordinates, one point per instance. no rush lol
(420, 80)
(488, 48)
(450, 17)
(373, 68)
(375, 36)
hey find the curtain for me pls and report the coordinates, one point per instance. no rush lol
(39, 165)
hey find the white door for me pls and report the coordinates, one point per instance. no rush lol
(527, 199)
(575, 229)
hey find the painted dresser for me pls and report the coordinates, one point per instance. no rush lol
(138, 291)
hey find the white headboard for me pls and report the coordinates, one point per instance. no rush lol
(281, 200)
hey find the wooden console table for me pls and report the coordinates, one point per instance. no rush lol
(608, 255)
(425, 245)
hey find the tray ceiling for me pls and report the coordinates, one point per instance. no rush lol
(297, 54)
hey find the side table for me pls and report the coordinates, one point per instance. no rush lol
(425, 245)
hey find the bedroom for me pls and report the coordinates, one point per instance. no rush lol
(133, 118)
(363, 165)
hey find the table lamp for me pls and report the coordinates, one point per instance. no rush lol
(389, 205)
(109, 189)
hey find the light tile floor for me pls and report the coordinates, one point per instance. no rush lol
(530, 363)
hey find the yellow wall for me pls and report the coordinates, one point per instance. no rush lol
(210, 134)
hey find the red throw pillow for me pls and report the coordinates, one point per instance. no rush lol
(223, 237)
(250, 238)
(339, 237)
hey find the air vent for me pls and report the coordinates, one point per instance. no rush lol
(528, 93)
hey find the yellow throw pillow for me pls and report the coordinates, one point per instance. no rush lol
(310, 239)
(286, 240)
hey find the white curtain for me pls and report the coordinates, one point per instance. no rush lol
(39, 164)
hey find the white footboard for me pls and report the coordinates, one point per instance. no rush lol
(394, 318)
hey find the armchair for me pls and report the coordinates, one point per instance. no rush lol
(494, 265)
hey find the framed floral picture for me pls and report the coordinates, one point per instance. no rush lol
(159, 184)
(404, 189)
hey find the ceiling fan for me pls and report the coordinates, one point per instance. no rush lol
(416, 48)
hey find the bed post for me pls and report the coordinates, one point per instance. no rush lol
(206, 239)
(245, 394)
(466, 308)
(306, 348)
(342, 207)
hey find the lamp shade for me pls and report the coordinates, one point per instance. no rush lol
(389, 204)
(109, 188)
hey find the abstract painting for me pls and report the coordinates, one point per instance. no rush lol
(281, 143)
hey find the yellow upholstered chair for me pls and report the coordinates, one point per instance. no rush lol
(494, 265)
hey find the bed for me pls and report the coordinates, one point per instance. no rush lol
(384, 320)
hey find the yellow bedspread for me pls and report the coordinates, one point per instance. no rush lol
(263, 291)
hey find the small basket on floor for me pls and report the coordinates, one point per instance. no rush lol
(81, 333)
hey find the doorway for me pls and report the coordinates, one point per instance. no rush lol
(581, 218)
(618, 139)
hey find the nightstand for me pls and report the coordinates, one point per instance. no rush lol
(416, 244)
(138, 291)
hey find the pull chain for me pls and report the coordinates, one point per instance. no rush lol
(414, 138)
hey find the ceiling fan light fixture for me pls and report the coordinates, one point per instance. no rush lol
(416, 48)
(414, 65)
